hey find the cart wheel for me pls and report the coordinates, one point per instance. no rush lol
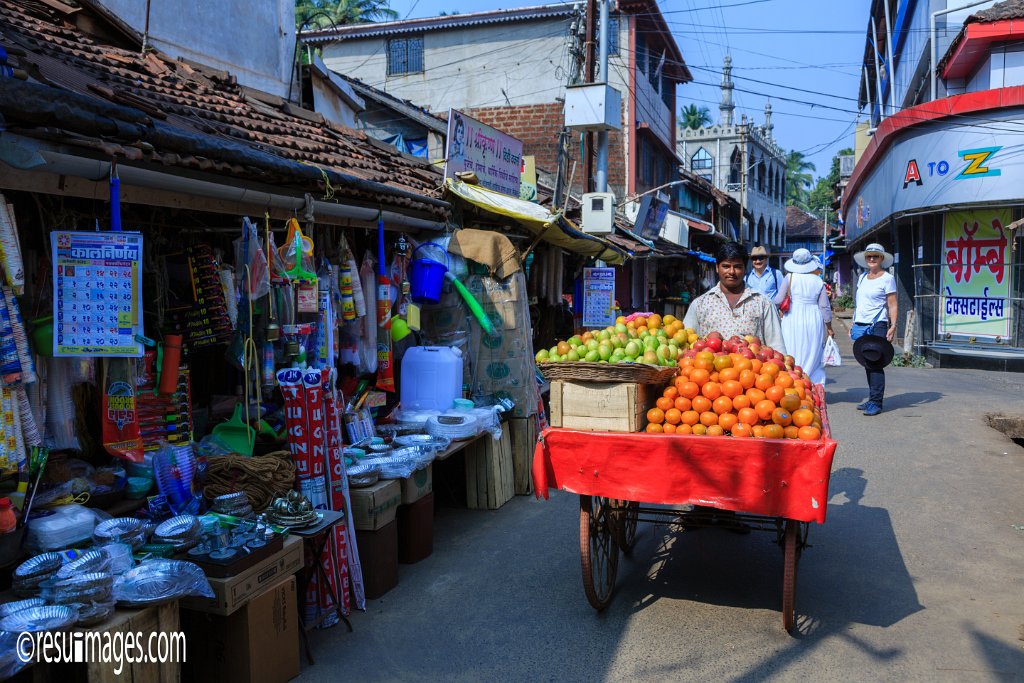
(791, 543)
(626, 517)
(599, 553)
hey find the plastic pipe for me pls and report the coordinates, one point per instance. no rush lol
(474, 306)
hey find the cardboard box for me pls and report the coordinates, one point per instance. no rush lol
(598, 406)
(378, 554)
(416, 530)
(233, 592)
(375, 506)
(418, 485)
(258, 643)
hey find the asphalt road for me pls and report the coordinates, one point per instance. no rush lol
(915, 576)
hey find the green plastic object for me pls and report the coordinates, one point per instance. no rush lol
(236, 434)
(474, 306)
(297, 272)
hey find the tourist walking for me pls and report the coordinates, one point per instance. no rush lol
(809, 318)
(762, 277)
(875, 314)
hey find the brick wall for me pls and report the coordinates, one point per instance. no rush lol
(538, 125)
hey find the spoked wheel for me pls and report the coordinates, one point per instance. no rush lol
(625, 520)
(792, 545)
(599, 553)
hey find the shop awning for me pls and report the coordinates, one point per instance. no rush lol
(698, 225)
(551, 228)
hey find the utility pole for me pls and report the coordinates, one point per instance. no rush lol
(602, 136)
(588, 77)
(824, 243)
(743, 174)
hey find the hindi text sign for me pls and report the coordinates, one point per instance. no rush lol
(976, 276)
(496, 158)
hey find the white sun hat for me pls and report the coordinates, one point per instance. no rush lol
(802, 262)
(873, 248)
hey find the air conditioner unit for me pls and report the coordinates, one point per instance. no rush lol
(598, 213)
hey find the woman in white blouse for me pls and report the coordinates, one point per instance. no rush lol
(809, 317)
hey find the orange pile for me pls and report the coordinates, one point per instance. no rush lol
(730, 394)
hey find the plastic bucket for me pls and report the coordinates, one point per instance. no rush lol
(427, 277)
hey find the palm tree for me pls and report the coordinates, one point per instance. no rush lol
(798, 179)
(324, 13)
(694, 117)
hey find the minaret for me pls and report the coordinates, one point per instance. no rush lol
(768, 125)
(726, 106)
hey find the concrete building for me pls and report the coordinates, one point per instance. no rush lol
(743, 159)
(255, 41)
(939, 181)
(510, 69)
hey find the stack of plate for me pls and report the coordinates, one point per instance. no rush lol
(43, 618)
(120, 530)
(92, 561)
(158, 581)
(234, 504)
(95, 613)
(9, 608)
(362, 474)
(27, 577)
(183, 532)
(82, 589)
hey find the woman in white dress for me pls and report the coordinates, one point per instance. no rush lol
(809, 317)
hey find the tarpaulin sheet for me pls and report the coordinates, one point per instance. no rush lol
(774, 477)
(552, 228)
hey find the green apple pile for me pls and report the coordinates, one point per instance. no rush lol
(658, 342)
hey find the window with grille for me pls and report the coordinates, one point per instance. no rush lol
(701, 161)
(405, 56)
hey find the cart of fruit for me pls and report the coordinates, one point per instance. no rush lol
(738, 432)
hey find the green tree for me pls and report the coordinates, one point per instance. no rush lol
(824, 190)
(324, 13)
(798, 179)
(692, 116)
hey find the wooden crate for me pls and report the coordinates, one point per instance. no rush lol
(524, 439)
(489, 476)
(604, 407)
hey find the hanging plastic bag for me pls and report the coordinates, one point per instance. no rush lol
(255, 282)
(831, 356)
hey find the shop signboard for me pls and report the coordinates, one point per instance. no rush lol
(941, 165)
(97, 294)
(598, 297)
(495, 158)
(976, 275)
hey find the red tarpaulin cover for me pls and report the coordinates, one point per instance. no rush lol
(773, 477)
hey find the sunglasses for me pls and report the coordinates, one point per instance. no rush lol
(872, 256)
(758, 258)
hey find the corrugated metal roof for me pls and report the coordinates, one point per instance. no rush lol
(388, 28)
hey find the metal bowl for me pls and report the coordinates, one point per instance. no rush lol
(423, 441)
(92, 561)
(117, 528)
(39, 566)
(9, 608)
(160, 581)
(231, 499)
(45, 618)
(181, 527)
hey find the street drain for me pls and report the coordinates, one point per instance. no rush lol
(1010, 425)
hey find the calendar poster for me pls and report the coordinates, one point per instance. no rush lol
(97, 293)
(598, 297)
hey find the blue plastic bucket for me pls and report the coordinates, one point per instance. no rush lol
(427, 277)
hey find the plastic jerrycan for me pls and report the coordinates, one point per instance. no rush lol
(431, 377)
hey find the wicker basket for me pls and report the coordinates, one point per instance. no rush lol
(637, 373)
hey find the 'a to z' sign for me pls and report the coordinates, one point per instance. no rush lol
(974, 163)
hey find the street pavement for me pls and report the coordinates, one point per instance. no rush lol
(915, 576)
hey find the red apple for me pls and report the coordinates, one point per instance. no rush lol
(747, 353)
(714, 343)
(699, 345)
(751, 339)
(714, 335)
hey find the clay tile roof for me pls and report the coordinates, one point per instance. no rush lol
(1010, 9)
(202, 101)
(799, 223)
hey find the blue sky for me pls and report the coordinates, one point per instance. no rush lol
(813, 45)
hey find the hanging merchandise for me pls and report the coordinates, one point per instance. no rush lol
(349, 570)
(249, 254)
(163, 415)
(122, 436)
(348, 281)
(368, 343)
(11, 458)
(97, 293)
(28, 367)
(60, 406)
(10, 248)
(385, 369)
(227, 286)
(29, 426)
(175, 470)
(10, 364)
(201, 318)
